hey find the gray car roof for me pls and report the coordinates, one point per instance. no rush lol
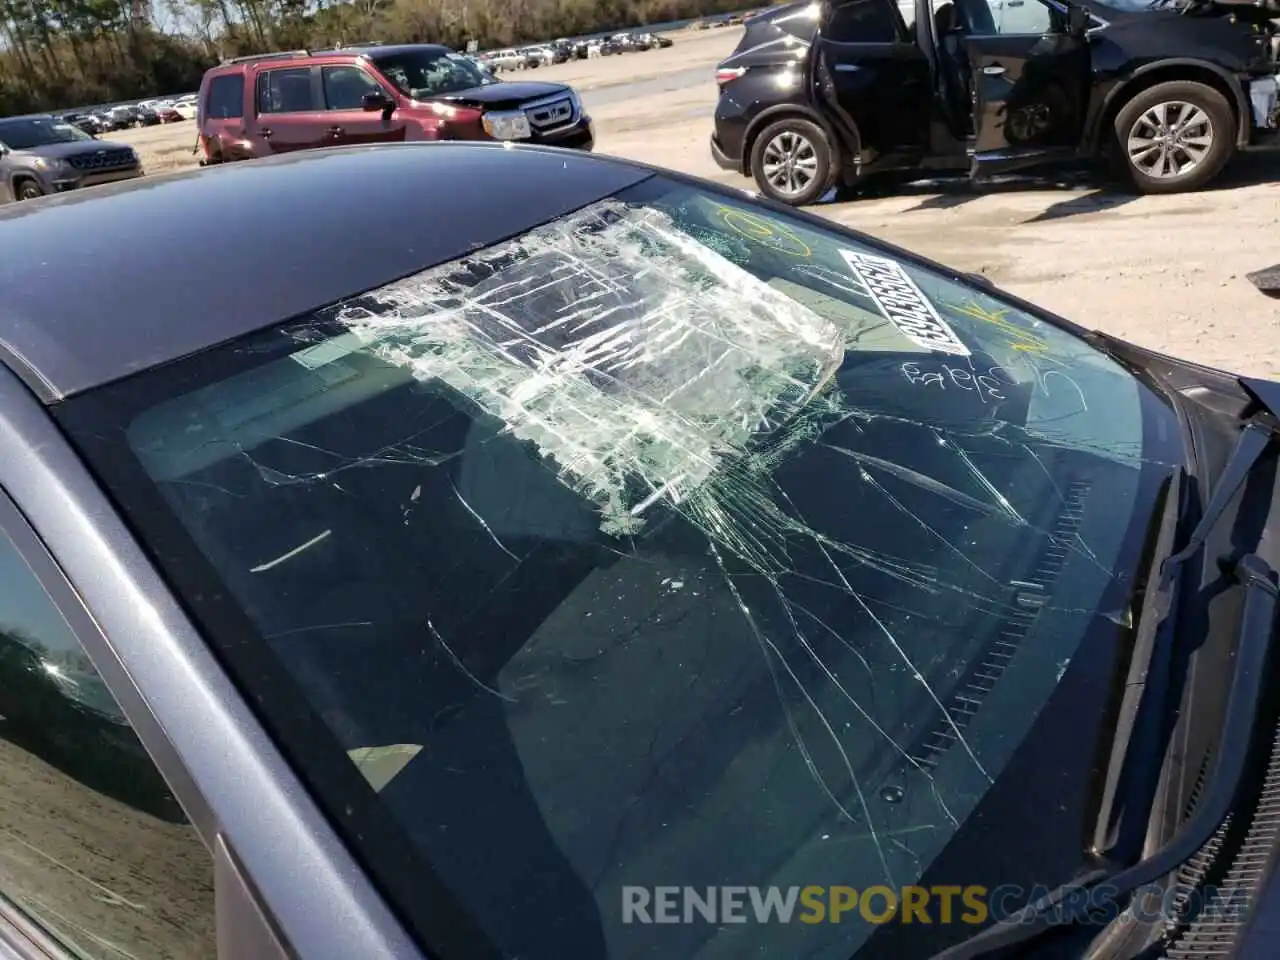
(100, 284)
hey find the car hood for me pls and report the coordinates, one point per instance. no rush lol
(73, 149)
(503, 95)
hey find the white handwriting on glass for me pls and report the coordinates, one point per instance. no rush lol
(944, 376)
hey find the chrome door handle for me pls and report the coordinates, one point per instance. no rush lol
(994, 70)
(336, 131)
(264, 132)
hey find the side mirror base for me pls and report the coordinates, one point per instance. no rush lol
(377, 101)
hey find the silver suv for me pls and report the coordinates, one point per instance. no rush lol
(45, 154)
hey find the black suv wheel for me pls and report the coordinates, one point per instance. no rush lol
(1174, 137)
(792, 161)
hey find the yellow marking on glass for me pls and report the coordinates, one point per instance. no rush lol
(1019, 338)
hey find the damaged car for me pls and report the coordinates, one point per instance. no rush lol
(831, 93)
(552, 546)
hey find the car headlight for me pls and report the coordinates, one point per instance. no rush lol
(507, 125)
(49, 163)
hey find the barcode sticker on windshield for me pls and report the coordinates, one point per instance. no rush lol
(903, 304)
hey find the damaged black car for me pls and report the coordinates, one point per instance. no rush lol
(828, 94)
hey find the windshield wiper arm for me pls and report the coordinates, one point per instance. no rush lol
(1256, 632)
(1249, 448)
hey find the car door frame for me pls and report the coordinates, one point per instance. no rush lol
(1062, 59)
(383, 125)
(880, 134)
(265, 125)
(281, 875)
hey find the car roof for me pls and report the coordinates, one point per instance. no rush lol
(169, 265)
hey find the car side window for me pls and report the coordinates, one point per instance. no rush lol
(286, 91)
(861, 21)
(226, 97)
(94, 848)
(1021, 17)
(344, 87)
(907, 10)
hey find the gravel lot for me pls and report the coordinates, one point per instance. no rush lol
(1166, 272)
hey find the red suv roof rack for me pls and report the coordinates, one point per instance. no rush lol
(283, 55)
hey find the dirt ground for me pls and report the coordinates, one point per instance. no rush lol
(114, 882)
(1166, 272)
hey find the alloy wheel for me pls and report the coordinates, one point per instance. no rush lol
(1170, 139)
(790, 163)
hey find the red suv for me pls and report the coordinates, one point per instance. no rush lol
(256, 106)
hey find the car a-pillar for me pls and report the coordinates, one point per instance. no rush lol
(795, 156)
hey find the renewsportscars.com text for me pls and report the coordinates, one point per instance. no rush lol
(974, 905)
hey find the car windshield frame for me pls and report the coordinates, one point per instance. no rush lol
(1074, 683)
(29, 133)
(465, 74)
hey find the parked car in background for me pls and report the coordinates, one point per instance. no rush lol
(628, 42)
(539, 56)
(84, 121)
(42, 154)
(123, 117)
(508, 60)
(256, 106)
(169, 113)
(186, 106)
(1168, 94)
(469, 537)
(147, 116)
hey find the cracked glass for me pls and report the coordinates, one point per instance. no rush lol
(675, 542)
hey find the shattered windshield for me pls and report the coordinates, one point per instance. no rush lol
(672, 545)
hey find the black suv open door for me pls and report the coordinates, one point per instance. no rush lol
(873, 75)
(1030, 92)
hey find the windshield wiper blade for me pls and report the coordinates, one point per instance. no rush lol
(1133, 768)
(1133, 773)
(1256, 632)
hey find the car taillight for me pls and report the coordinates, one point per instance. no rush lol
(726, 74)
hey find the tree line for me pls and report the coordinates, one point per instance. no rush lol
(58, 54)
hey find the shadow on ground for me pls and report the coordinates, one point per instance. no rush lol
(1085, 190)
(1249, 169)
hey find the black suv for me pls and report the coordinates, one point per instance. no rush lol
(823, 94)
